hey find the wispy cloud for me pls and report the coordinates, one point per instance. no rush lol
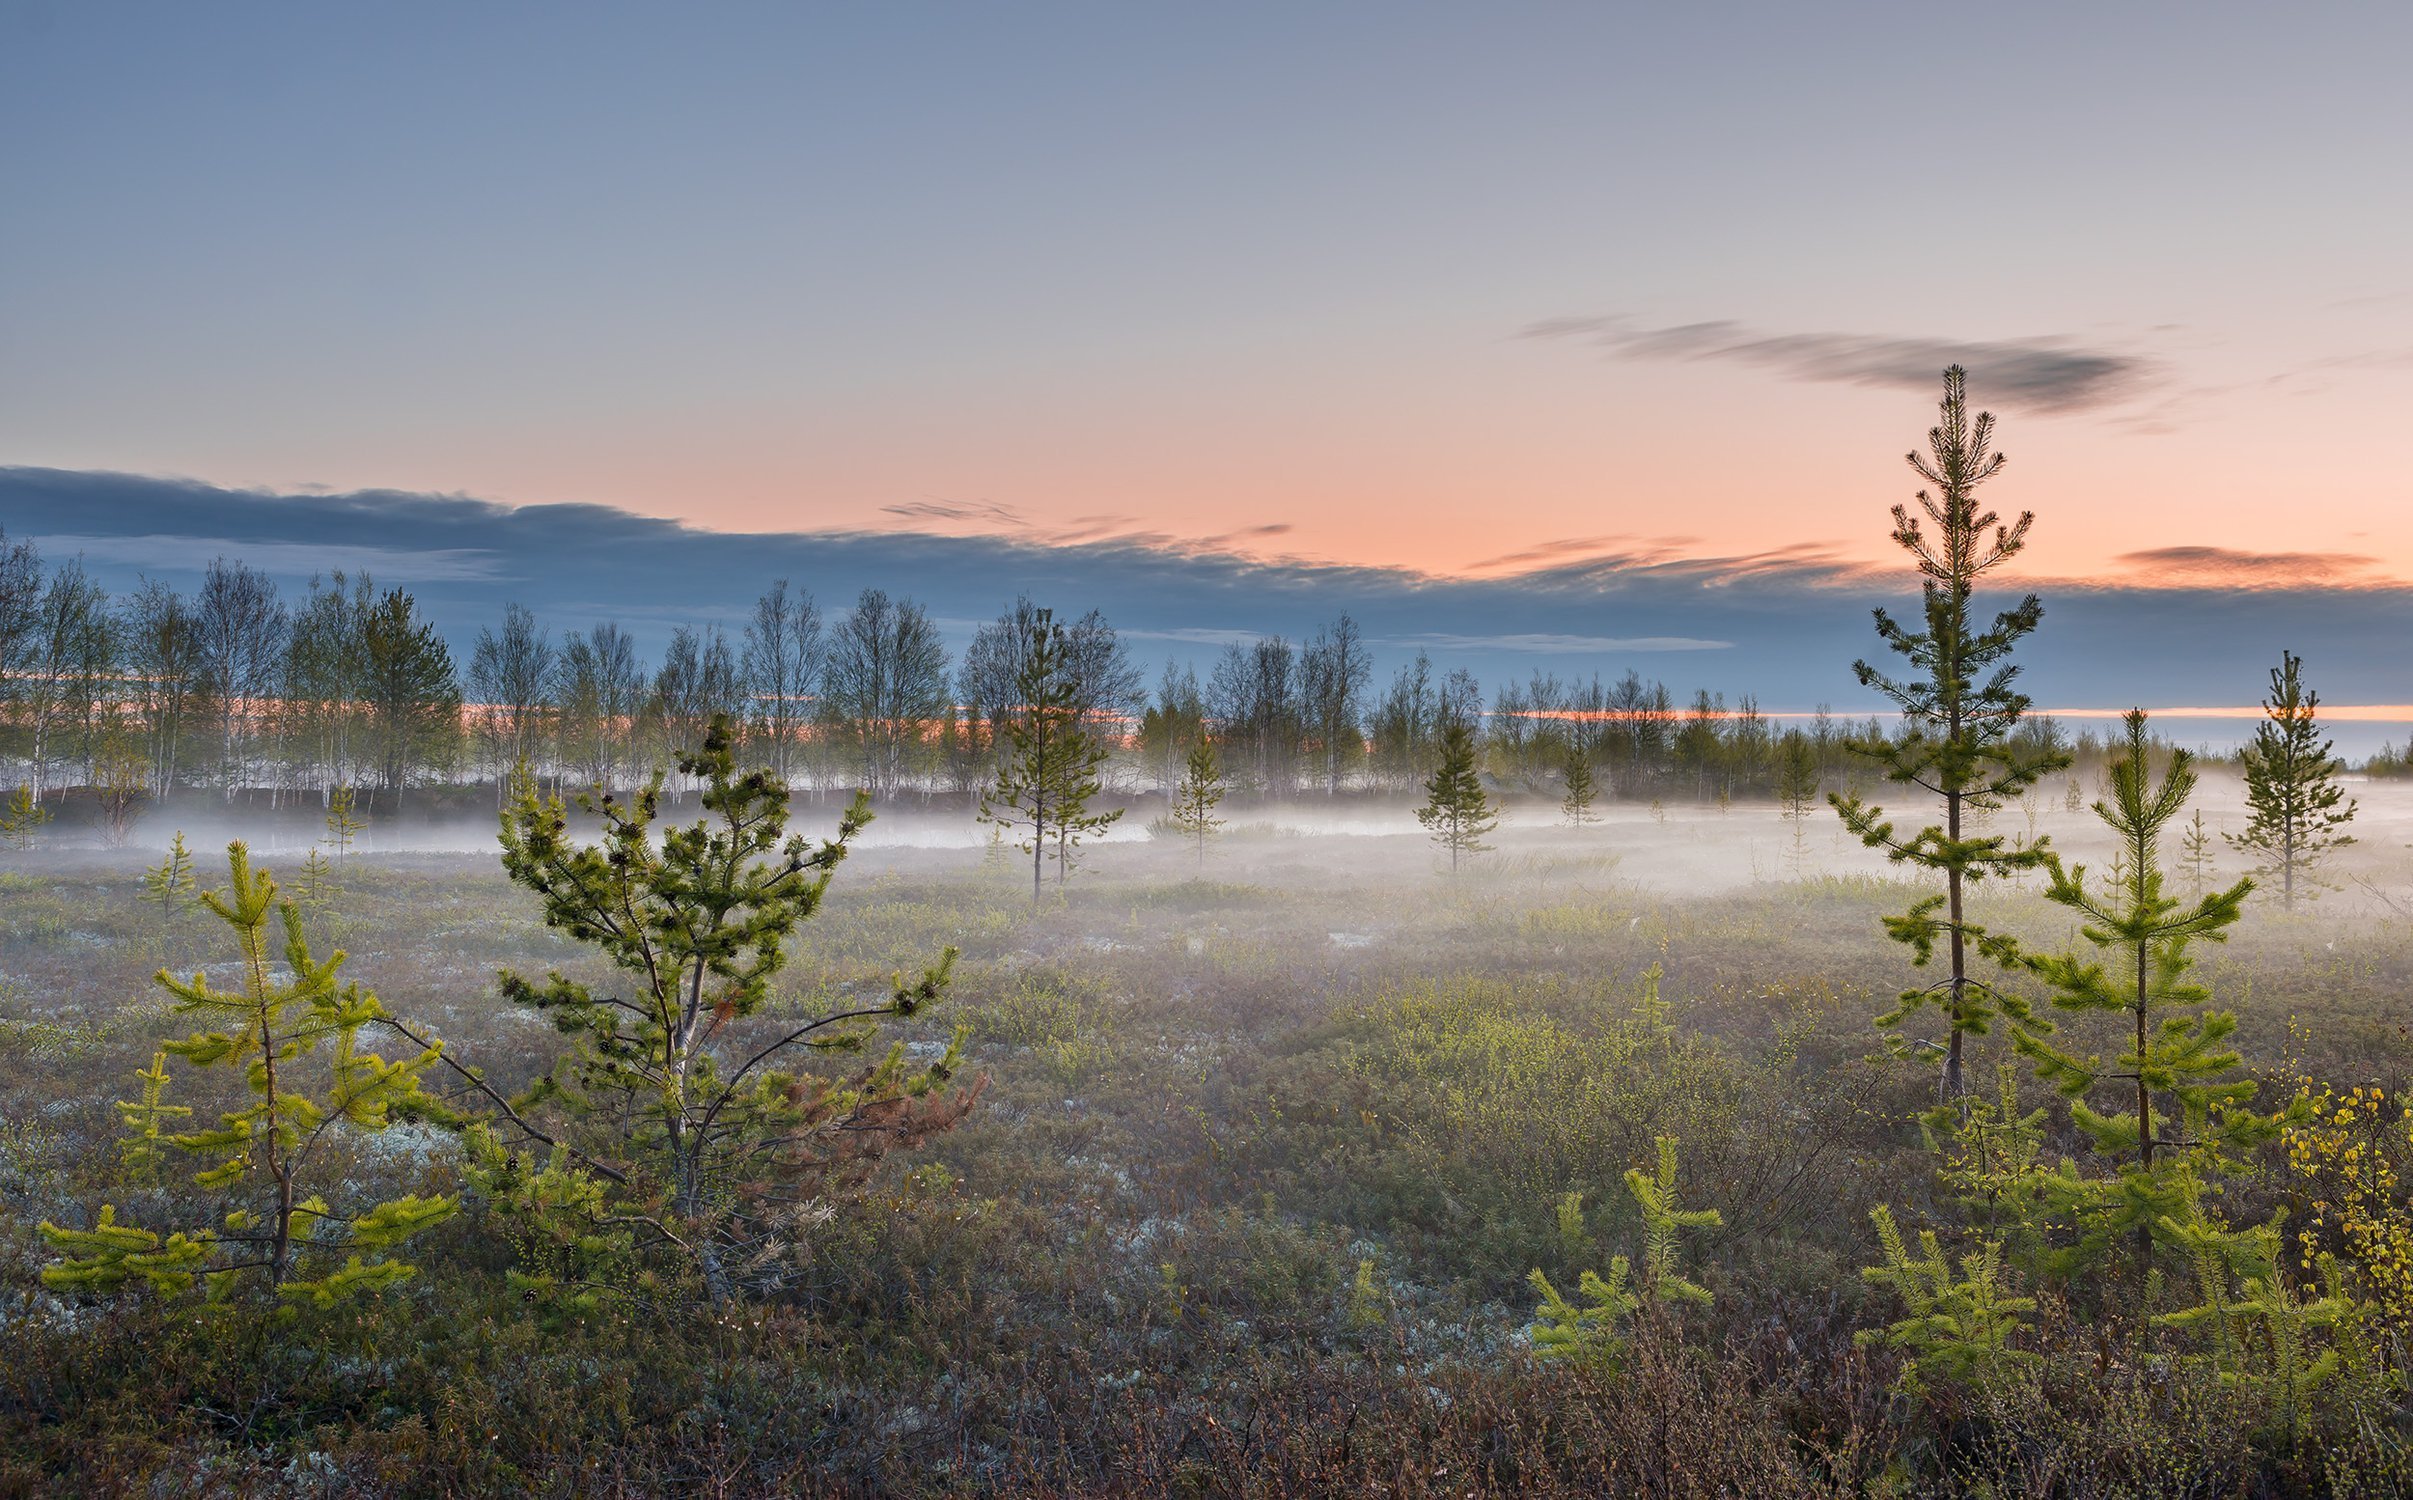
(2045, 374)
(2196, 567)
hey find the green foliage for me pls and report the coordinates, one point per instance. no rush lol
(343, 824)
(576, 1257)
(22, 818)
(1593, 1331)
(2256, 1332)
(1961, 1324)
(2296, 810)
(1456, 811)
(1990, 1156)
(140, 1151)
(1576, 805)
(170, 884)
(1049, 773)
(318, 878)
(267, 1154)
(1664, 1219)
(1797, 777)
(685, 1099)
(2187, 1118)
(2195, 852)
(1960, 709)
(1194, 800)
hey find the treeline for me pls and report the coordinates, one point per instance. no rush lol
(236, 688)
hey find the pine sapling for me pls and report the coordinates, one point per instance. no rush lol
(1195, 799)
(295, 1040)
(1457, 812)
(1959, 709)
(1576, 807)
(2195, 851)
(1593, 1330)
(688, 1092)
(2186, 1117)
(343, 825)
(22, 818)
(1961, 1324)
(170, 885)
(2296, 811)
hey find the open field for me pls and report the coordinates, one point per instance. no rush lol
(1269, 1148)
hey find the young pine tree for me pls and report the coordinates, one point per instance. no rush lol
(1195, 799)
(1576, 807)
(1959, 708)
(2183, 1119)
(1456, 811)
(1049, 771)
(294, 1039)
(2195, 850)
(21, 819)
(343, 826)
(1592, 1331)
(169, 884)
(2296, 811)
(318, 879)
(683, 1091)
(1796, 784)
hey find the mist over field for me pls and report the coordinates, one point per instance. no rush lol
(1205, 752)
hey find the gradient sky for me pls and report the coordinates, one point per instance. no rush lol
(1455, 288)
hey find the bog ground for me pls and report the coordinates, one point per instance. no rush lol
(1269, 1150)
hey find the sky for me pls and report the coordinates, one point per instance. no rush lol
(1543, 298)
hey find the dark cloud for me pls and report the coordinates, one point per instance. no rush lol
(1783, 624)
(2038, 374)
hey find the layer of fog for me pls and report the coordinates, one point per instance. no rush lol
(1682, 848)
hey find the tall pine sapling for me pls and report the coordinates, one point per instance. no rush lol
(1195, 799)
(2296, 811)
(1049, 771)
(1457, 812)
(687, 1095)
(271, 1165)
(2184, 1118)
(1959, 709)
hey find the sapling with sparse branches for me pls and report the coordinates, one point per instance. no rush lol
(1581, 791)
(1195, 799)
(343, 824)
(1049, 773)
(21, 819)
(169, 885)
(1959, 708)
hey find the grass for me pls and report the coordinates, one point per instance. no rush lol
(1135, 1268)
